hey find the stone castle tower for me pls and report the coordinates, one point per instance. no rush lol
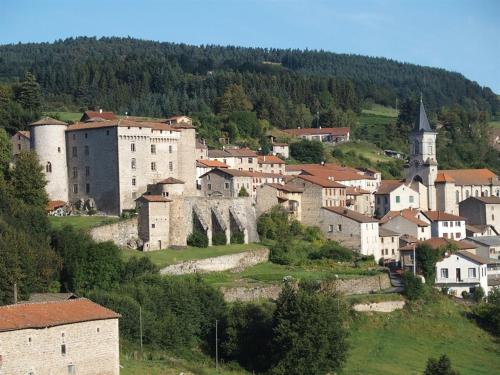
(421, 170)
(48, 140)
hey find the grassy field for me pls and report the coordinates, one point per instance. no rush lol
(402, 341)
(81, 222)
(364, 149)
(380, 110)
(166, 257)
(65, 116)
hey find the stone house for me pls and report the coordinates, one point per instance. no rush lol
(395, 195)
(488, 247)
(325, 135)
(206, 165)
(287, 196)
(270, 164)
(389, 244)
(242, 159)
(20, 142)
(359, 200)
(226, 182)
(154, 221)
(480, 230)
(75, 336)
(281, 149)
(317, 193)
(201, 150)
(481, 211)
(446, 225)
(409, 221)
(351, 229)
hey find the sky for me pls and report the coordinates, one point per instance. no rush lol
(457, 35)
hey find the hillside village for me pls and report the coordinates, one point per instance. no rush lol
(175, 188)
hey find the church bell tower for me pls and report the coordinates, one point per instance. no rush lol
(422, 166)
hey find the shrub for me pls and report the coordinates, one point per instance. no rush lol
(487, 313)
(273, 224)
(312, 234)
(465, 294)
(333, 250)
(414, 288)
(243, 192)
(478, 294)
(441, 366)
(238, 237)
(307, 151)
(219, 238)
(296, 228)
(197, 239)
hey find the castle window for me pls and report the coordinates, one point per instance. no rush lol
(86, 150)
(250, 160)
(153, 166)
(153, 225)
(58, 149)
(87, 188)
(498, 193)
(71, 369)
(170, 166)
(209, 186)
(226, 185)
(132, 147)
(153, 149)
(87, 171)
(63, 349)
(170, 149)
(75, 188)
(75, 172)
(132, 163)
(75, 152)
(107, 132)
(86, 135)
(467, 193)
(133, 181)
(486, 193)
(417, 147)
(48, 167)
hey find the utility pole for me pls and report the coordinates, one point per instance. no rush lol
(414, 262)
(15, 293)
(216, 346)
(140, 324)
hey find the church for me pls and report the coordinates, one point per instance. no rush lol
(442, 190)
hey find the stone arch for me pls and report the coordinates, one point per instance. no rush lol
(200, 224)
(417, 178)
(219, 227)
(236, 226)
(48, 167)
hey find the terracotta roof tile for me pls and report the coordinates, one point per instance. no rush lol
(387, 186)
(321, 181)
(153, 198)
(287, 188)
(212, 163)
(409, 214)
(468, 176)
(441, 216)
(50, 314)
(350, 214)
(269, 159)
(95, 114)
(52, 205)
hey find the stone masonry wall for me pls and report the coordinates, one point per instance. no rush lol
(359, 285)
(92, 347)
(120, 233)
(236, 262)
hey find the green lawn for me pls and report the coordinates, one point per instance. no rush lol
(65, 116)
(271, 273)
(402, 341)
(80, 222)
(380, 110)
(365, 149)
(163, 258)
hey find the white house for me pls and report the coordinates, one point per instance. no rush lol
(389, 244)
(446, 225)
(394, 195)
(462, 271)
(281, 150)
(354, 230)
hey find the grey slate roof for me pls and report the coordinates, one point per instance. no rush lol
(422, 123)
(486, 240)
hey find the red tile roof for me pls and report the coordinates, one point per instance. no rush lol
(154, 198)
(318, 131)
(121, 123)
(467, 176)
(47, 121)
(87, 115)
(50, 314)
(52, 205)
(409, 214)
(387, 186)
(350, 214)
(287, 188)
(212, 163)
(441, 216)
(321, 181)
(355, 191)
(269, 159)
(330, 170)
(241, 152)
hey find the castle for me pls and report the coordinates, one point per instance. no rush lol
(111, 161)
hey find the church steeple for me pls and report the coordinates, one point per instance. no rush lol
(422, 123)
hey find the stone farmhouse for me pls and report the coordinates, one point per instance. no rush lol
(74, 336)
(409, 221)
(481, 211)
(20, 142)
(389, 244)
(325, 135)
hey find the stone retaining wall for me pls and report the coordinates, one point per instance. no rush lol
(385, 306)
(235, 262)
(361, 285)
(123, 233)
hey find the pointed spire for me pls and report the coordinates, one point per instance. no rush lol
(422, 123)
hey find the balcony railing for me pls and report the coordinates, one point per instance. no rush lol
(454, 280)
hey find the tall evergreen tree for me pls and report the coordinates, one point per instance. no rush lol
(29, 94)
(28, 180)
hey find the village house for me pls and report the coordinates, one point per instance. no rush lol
(481, 211)
(201, 150)
(408, 221)
(325, 135)
(479, 230)
(270, 164)
(281, 149)
(395, 195)
(488, 247)
(75, 336)
(317, 193)
(352, 229)
(20, 142)
(446, 225)
(287, 196)
(242, 159)
(359, 200)
(205, 165)
(389, 244)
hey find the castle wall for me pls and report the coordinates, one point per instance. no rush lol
(49, 142)
(187, 160)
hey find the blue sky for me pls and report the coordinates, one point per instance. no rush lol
(458, 35)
